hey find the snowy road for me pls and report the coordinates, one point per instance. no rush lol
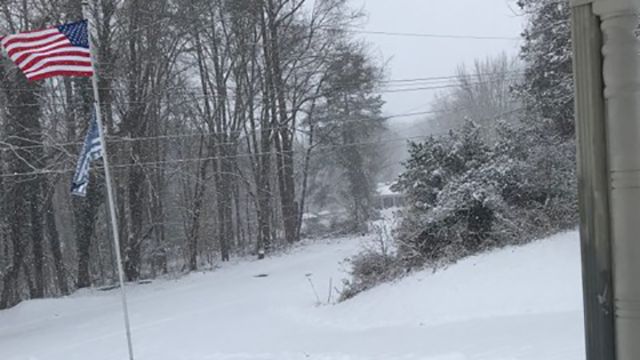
(514, 304)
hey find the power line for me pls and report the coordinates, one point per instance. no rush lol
(191, 97)
(509, 75)
(117, 140)
(187, 160)
(375, 32)
(455, 77)
(434, 36)
(248, 155)
(121, 140)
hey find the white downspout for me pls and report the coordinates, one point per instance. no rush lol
(621, 75)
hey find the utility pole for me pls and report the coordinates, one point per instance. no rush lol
(607, 76)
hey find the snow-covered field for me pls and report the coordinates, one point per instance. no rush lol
(514, 304)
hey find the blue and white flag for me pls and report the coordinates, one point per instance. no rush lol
(91, 150)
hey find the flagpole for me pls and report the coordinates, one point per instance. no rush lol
(107, 175)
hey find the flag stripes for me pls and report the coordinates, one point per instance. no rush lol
(58, 51)
(91, 151)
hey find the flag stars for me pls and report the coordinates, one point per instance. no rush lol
(59, 51)
(77, 33)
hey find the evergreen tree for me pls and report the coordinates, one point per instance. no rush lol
(548, 85)
(350, 119)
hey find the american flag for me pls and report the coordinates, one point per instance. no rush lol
(91, 151)
(62, 50)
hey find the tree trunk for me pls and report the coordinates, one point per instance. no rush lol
(54, 244)
(196, 212)
(37, 237)
(223, 190)
(86, 214)
(284, 137)
(24, 130)
(136, 214)
(305, 178)
(9, 296)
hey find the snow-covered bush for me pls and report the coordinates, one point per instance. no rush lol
(378, 263)
(467, 192)
(465, 196)
(368, 269)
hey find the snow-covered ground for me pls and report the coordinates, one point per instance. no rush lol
(514, 304)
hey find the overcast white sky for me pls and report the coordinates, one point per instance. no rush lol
(419, 57)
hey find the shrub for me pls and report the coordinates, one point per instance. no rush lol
(377, 264)
(368, 269)
(466, 197)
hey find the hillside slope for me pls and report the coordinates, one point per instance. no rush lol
(517, 303)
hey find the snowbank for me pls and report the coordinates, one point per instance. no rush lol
(517, 303)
